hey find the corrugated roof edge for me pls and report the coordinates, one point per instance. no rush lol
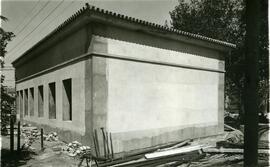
(90, 8)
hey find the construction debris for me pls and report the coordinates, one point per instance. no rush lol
(30, 134)
(189, 153)
(171, 153)
(197, 153)
(174, 159)
(174, 151)
(26, 125)
(231, 151)
(235, 136)
(155, 148)
(184, 143)
(52, 136)
(75, 148)
(217, 160)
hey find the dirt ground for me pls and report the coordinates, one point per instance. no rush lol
(50, 156)
(53, 155)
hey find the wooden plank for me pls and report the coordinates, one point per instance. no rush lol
(222, 162)
(150, 149)
(176, 146)
(183, 158)
(138, 154)
(111, 145)
(184, 161)
(173, 151)
(95, 144)
(229, 127)
(96, 138)
(119, 161)
(231, 150)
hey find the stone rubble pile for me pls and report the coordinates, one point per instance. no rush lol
(26, 125)
(30, 134)
(52, 136)
(76, 149)
(235, 137)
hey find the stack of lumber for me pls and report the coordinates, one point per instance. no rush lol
(216, 160)
(175, 155)
(188, 153)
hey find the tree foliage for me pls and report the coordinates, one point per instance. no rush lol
(225, 20)
(217, 19)
(6, 100)
(5, 37)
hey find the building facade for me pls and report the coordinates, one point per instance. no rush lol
(144, 83)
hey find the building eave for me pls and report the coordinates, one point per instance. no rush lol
(92, 14)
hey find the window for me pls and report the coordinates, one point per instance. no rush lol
(67, 99)
(26, 102)
(52, 101)
(40, 101)
(31, 101)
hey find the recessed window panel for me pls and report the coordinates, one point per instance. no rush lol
(52, 101)
(67, 99)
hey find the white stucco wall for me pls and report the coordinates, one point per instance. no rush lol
(154, 96)
(158, 93)
(77, 73)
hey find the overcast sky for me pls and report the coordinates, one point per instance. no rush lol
(32, 20)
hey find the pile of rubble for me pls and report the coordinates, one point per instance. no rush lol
(26, 125)
(52, 136)
(235, 137)
(76, 149)
(30, 134)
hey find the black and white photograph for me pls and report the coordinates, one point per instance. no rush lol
(134, 83)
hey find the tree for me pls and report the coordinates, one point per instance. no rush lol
(6, 100)
(5, 37)
(225, 20)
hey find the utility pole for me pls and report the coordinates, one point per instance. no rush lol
(251, 84)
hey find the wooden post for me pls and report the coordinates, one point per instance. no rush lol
(11, 134)
(111, 145)
(251, 83)
(104, 142)
(19, 136)
(96, 138)
(107, 143)
(41, 138)
(95, 144)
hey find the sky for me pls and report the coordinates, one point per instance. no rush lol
(30, 24)
(32, 20)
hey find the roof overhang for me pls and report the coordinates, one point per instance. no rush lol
(91, 14)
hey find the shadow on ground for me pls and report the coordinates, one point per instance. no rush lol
(15, 158)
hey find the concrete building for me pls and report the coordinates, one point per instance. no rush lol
(145, 83)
